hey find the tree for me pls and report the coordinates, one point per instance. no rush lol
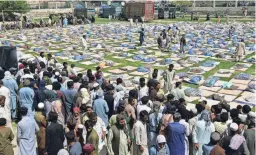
(14, 6)
(182, 3)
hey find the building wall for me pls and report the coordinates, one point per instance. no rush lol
(237, 11)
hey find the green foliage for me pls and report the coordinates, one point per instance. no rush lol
(44, 5)
(181, 3)
(16, 6)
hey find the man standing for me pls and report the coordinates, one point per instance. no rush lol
(108, 97)
(92, 136)
(54, 135)
(213, 145)
(27, 96)
(100, 128)
(118, 139)
(12, 85)
(160, 41)
(178, 92)
(41, 122)
(75, 148)
(154, 119)
(84, 43)
(176, 136)
(100, 107)
(26, 138)
(182, 44)
(5, 112)
(168, 76)
(69, 94)
(240, 50)
(143, 88)
(130, 108)
(6, 93)
(140, 146)
(142, 36)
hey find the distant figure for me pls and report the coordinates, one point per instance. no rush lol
(240, 50)
(245, 12)
(192, 14)
(218, 19)
(227, 17)
(131, 22)
(231, 31)
(136, 21)
(93, 19)
(50, 22)
(142, 36)
(164, 34)
(41, 22)
(208, 17)
(84, 43)
(160, 41)
(65, 22)
(142, 19)
(182, 43)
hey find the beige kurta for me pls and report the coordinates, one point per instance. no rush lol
(140, 135)
(168, 83)
(240, 49)
(6, 137)
(123, 145)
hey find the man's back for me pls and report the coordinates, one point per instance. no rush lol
(26, 95)
(27, 129)
(225, 142)
(76, 149)
(100, 107)
(110, 101)
(176, 138)
(54, 138)
(70, 96)
(11, 84)
(93, 138)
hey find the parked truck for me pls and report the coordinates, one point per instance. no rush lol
(84, 12)
(139, 9)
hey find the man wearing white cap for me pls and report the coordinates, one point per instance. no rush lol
(41, 122)
(161, 148)
(234, 144)
(93, 93)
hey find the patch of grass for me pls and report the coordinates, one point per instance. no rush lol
(222, 65)
(251, 70)
(254, 109)
(202, 19)
(189, 85)
(106, 21)
(195, 102)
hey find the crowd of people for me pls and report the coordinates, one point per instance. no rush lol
(60, 111)
(53, 20)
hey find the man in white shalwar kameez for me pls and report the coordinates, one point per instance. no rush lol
(140, 145)
(5, 112)
(84, 43)
(26, 138)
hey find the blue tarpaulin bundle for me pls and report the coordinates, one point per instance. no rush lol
(243, 76)
(211, 81)
(193, 92)
(195, 79)
(143, 69)
(208, 63)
